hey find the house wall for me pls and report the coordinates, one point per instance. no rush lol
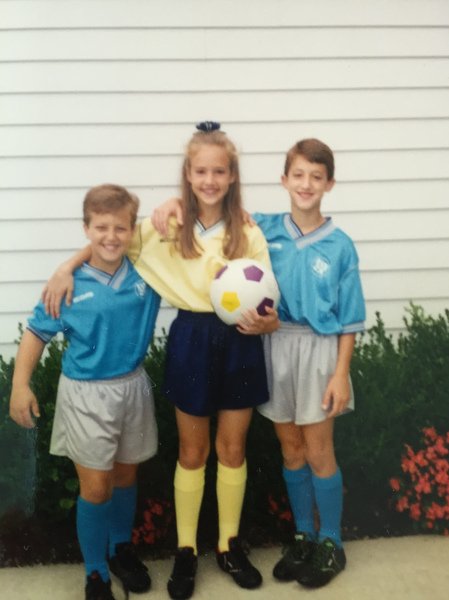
(94, 91)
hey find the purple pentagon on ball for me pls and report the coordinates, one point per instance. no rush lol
(253, 273)
(261, 309)
(220, 272)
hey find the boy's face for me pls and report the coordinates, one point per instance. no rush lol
(110, 235)
(306, 182)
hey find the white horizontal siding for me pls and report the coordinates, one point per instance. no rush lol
(147, 139)
(183, 109)
(20, 14)
(216, 75)
(90, 95)
(152, 44)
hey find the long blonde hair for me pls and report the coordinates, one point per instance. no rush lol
(235, 241)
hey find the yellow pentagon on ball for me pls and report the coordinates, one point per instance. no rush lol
(230, 301)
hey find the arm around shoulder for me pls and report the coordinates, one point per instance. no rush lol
(61, 284)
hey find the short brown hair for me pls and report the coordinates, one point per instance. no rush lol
(109, 198)
(314, 151)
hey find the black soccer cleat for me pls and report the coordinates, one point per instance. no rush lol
(97, 589)
(294, 558)
(328, 560)
(236, 563)
(181, 584)
(131, 571)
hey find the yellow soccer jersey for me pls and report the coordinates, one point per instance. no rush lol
(185, 282)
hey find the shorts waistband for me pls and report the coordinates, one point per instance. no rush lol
(190, 315)
(304, 329)
(111, 381)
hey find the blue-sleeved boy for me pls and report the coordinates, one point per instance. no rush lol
(308, 358)
(104, 417)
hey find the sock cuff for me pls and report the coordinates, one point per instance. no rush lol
(294, 475)
(189, 480)
(125, 492)
(85, 505)
(327, 483)
(231, 475)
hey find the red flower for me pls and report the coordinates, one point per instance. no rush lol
(420, 460)
(415, 511)
(274, 507)
(402, 504)
(423, 491)
(430, 433)
(423, 486)
(395, 485)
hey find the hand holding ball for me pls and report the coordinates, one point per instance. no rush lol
(242, 284)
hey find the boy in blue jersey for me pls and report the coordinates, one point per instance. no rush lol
(308, 358)
(104, 417)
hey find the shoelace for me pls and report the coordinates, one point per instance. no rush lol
(300, 549)
(323, 555)
(237, 559)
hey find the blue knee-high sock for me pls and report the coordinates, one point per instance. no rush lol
(123, 511)
(92, 524)
(300, 493)
(329, 500)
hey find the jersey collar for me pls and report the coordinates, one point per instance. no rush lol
(204, 232)
(307, 239)
(114, 281)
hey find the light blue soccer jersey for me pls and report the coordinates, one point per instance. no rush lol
(108, 326)
(317, 273)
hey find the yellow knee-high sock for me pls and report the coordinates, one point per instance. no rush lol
(189, 488)
(231, 485)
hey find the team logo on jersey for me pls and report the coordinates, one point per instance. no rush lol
(140, 288)
(320, 267)
(83, 297)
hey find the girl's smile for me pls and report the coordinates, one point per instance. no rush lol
(210, 177)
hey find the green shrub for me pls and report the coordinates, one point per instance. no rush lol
(400, 387)
(17, 454)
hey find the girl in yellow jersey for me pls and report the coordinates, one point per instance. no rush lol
(212, 368)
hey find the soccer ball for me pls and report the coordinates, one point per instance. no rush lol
(242, 284)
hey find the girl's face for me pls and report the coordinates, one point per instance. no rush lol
(210, 177)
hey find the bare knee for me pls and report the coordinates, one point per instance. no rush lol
(95, 494)
(292, 445)
(230, 453)
(321, 458)
(293, 454)
(193, 457)
(95, 485)
(124, 475)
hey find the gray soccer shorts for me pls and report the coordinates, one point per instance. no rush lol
(98, 423)
(299, 365)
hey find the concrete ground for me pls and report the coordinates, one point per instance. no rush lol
(411, 568)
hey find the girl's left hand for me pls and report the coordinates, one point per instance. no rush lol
(251, 323)
(337, 395)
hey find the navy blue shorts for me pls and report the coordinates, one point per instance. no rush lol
(211, 366)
